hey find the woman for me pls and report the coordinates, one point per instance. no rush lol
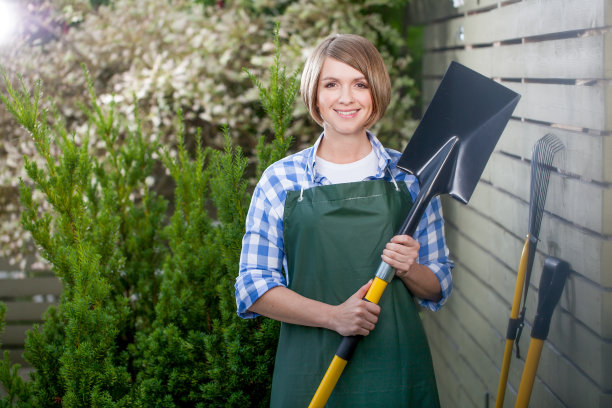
(324, 216)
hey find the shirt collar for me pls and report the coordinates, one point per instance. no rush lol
(384, 160)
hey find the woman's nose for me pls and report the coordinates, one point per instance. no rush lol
(346, 95)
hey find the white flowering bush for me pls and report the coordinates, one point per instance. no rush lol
(179, 55)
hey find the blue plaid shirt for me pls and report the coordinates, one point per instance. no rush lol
(263, 257)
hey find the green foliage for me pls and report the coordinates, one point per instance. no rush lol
(278, 101)
(198, 336)
(172, 364)
(100, 235)
(147, 315)
(241, 353)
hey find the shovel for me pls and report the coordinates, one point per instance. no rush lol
(552, 281)
(447, 153)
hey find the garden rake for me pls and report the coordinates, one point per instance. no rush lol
(541, 165)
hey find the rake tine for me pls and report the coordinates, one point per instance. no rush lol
(541, 166)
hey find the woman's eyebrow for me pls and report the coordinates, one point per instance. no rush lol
(330, 78)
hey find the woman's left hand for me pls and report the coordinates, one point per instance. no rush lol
(401, 253)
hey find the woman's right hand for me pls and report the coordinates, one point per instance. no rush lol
(356, 316)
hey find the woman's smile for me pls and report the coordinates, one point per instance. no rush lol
(348, 114)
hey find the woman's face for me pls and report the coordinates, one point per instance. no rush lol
(344, 99)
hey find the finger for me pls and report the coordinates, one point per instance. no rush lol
(366, 326)
(391, 261)
(398, 256)
(363, 290)
(373, 311)
(399, 265)
(412, 247)
(408, 244)
(400, 249)
(404, 240)
(368, 329)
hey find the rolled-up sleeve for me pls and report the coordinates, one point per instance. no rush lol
(433, 252)
(261, 259)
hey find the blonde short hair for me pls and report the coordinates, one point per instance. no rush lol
(360, 54)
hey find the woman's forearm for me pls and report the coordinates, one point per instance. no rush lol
(422, 282)
(285, 305)
(354, 316)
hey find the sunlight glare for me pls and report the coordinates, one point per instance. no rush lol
(8, 20)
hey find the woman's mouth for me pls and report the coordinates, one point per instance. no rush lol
(347, 113)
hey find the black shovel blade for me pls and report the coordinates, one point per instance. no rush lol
(469, 111)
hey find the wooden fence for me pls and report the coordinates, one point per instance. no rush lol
(26, 300)
(558, 55)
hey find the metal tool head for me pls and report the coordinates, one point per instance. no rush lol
(544, 152)
(463, 123)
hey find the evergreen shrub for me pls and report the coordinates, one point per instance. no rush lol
(147, 316)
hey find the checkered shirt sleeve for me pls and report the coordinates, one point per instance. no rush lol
(262, 259)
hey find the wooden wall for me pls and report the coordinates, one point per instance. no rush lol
(558, 55)
(26, 300)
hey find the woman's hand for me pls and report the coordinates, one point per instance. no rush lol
(401, 253)
(356, 316)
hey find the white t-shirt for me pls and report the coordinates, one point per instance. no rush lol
(349, 172)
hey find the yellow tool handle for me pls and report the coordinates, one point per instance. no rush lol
(529, 373)
(520, 280)
(344, 352)
(514, 312)
(376, 290)
(503, 378)
(328, 383)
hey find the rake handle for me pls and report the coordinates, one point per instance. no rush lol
(513, 322)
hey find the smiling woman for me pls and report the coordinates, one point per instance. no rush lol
(317, 225)
(8, 20)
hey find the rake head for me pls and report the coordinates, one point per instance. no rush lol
(541, 165)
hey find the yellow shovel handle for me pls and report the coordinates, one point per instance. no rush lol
(338, 363)
(328, 383)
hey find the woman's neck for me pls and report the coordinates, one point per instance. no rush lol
(342, 150)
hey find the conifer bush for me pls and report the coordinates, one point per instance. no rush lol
(147, 315)
(101, 239)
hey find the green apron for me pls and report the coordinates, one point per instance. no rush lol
(334, 236)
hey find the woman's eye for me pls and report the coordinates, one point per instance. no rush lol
(362, 85)
(330, 85)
